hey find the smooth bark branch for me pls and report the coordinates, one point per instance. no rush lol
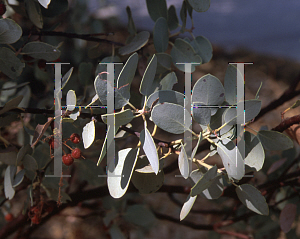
(87, 37)
(289, 94)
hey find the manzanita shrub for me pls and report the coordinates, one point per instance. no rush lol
(213, 107)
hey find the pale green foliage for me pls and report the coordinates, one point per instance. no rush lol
(160, 105)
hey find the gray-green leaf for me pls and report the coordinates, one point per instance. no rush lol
(137, 43)
(41, 50)
(163, 96)
(173, 22)
(230, 83)
(118, 179)
(208, 90)
(10, 64)
(34, 13)
(149, 148)
(200, 5)
(168, 81)
(183, 163)
(231, 158)
(148, 77)
(182, 52)
(187, 206)
(10, 31)
(128, 71)
(252, 199)
(251, 110)
(205, 181)
(161, 35)
(170, 117)
(203, 48)
(157, 9)
(254, 152)
(8, 181)
(273, 140)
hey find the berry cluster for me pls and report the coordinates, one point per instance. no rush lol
(68, 159)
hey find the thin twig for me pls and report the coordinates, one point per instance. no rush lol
(87, 37)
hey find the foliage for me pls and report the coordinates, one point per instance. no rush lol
(25, 164)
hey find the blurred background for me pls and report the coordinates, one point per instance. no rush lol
(269, 26)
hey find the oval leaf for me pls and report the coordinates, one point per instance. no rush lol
(254, 152)
(13, 103)
(148, 77)
(146, 182)
(170, 117)
(8, 181)
(187, 206)
(128, 71)
(205, 181)
(88, 134)
(30, 166)
(157, 9)
(164, 63)
(44, 3)
(10, 64)
(120, 118)
(71, 100)
(34, 13)
(272, 140)
(231, 158)
(41, 50)
(201, 113)
(203, 48)
(130, 26)
(230, 83)
(26, 149)
(173, 22)
(119, 175)
(251, 110)
(121, 95)
(161, 35)
(208, 90)
(182, 52)
(200, 5)
(10, 31)
(183, 162)
(215, 190)
(137, 43)
(106, 144)
(66, 77)
(163, 96)
(252, 199)
(168, 81)
(19, 178)
(149, 148)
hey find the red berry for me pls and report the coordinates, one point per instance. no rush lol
(2, 9)
(67, 159)
(9, 217)
(53, 143)
(76, 153)
(75, 138)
